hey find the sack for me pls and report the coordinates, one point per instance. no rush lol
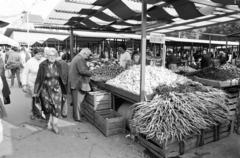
(37, 108)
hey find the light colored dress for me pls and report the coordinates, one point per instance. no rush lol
(29, 73)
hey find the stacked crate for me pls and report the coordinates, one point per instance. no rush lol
(233, 104)
(176, 148)
(98, 111)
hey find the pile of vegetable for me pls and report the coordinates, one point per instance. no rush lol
(215, 74)
(98, 63)
(106, 72)
(232, 69)
(129, 80)
(177, 113)
(185, 69)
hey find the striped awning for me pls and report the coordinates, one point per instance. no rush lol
(3, 23)
(163, 16)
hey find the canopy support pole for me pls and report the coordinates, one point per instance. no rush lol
(71, 43)
(143, 50)
(164, 50)
(210, 43)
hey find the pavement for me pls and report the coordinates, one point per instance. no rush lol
(24, 138)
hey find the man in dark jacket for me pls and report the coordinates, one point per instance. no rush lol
(206, 60)
(79, 78)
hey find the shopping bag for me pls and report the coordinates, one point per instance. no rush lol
(37, 108)
(6, 100)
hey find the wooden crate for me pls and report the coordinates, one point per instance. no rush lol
(109, 122)
(218, 84)
(209, 135)
(99, 100)
(172, 149)
(224, 130)
(88, 112)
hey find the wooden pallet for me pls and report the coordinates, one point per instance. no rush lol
(109, 122)
(99, 100)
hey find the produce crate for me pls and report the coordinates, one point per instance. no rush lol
(99, 100)
(224, 130)
(172, 149)
(208, 135)
(176, 148)
(109, 122)
(88, 112)
(216, 83)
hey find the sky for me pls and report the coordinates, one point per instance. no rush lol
(12, 9)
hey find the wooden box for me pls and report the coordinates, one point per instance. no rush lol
(99, 100)
(109, 122)
(88, 112)
(171, 149)
(224, 130)
(209, 135)
(216, 83)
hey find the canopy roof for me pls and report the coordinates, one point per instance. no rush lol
(163, 16)
(23, 37)
(4, 40)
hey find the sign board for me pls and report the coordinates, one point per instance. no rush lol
(157, 38)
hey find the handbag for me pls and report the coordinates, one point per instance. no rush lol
(7, 100)
(37, 108)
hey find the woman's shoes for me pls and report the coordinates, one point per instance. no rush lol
(55, 129)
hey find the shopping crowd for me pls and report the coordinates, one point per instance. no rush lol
(199, 59)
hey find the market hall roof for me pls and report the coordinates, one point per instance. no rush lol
(125, 15)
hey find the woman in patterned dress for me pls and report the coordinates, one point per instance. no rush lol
(50, 88)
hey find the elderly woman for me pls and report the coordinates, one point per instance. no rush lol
(50, 88)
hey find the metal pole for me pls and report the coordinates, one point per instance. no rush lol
(143, 51)
(71, 43)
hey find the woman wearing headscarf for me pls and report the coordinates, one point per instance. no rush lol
(50, 88)
(29, 73)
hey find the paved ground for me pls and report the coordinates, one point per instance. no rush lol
(26, 139)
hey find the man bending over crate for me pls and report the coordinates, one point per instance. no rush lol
(79, 78)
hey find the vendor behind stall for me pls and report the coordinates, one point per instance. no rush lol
(206, 59)
(223, 57)
(135, 58)
(125, 57)
(172, 60)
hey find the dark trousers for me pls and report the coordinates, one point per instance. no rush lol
(77, 99)
(17, 73)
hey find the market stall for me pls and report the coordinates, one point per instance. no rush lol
(186, 108)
